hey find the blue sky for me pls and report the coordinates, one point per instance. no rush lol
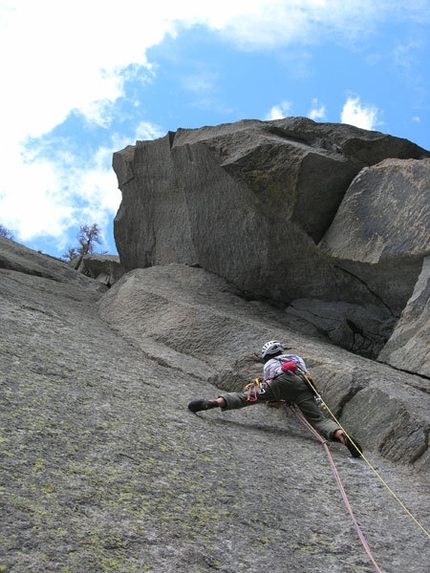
(84, 78)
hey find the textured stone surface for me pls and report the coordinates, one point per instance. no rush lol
(195, 322)
(409, 345)
(106, 269)
(105, 469)
(386, 215)
(363, 331)
(386, 211)
(17, 257)
(249, 201)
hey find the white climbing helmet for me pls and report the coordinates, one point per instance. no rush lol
(271, 347)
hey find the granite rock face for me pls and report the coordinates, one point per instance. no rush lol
(16, 257)
(105, 469)
(196, 322)
(385, 212)
(262, 204)
(409, 346)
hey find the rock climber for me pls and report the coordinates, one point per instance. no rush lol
(285, 379)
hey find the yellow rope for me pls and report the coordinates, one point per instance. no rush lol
(402, 505)
(299, 414)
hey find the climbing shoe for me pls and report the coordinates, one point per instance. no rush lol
(353, 446)
(198, 405)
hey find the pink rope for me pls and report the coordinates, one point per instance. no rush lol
(339, 485)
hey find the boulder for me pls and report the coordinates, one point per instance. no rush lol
(234, 178)
(250, 201)
(385, 212)
(386, 215)
(106, 269)
(408, 347)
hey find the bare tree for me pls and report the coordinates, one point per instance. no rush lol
(87, 237)
(4, 232)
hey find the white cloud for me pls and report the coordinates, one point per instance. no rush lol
(405, 55)
(146, 130)
(364, 116)
(64, 56)
(259, 23)
(60, 56)
(201, 82)
(71, 54)
(34, 202)
(317, 111)
(279, 111)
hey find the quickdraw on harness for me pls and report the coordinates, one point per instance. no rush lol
(254, 388)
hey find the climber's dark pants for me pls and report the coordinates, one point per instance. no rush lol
(291, 388)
